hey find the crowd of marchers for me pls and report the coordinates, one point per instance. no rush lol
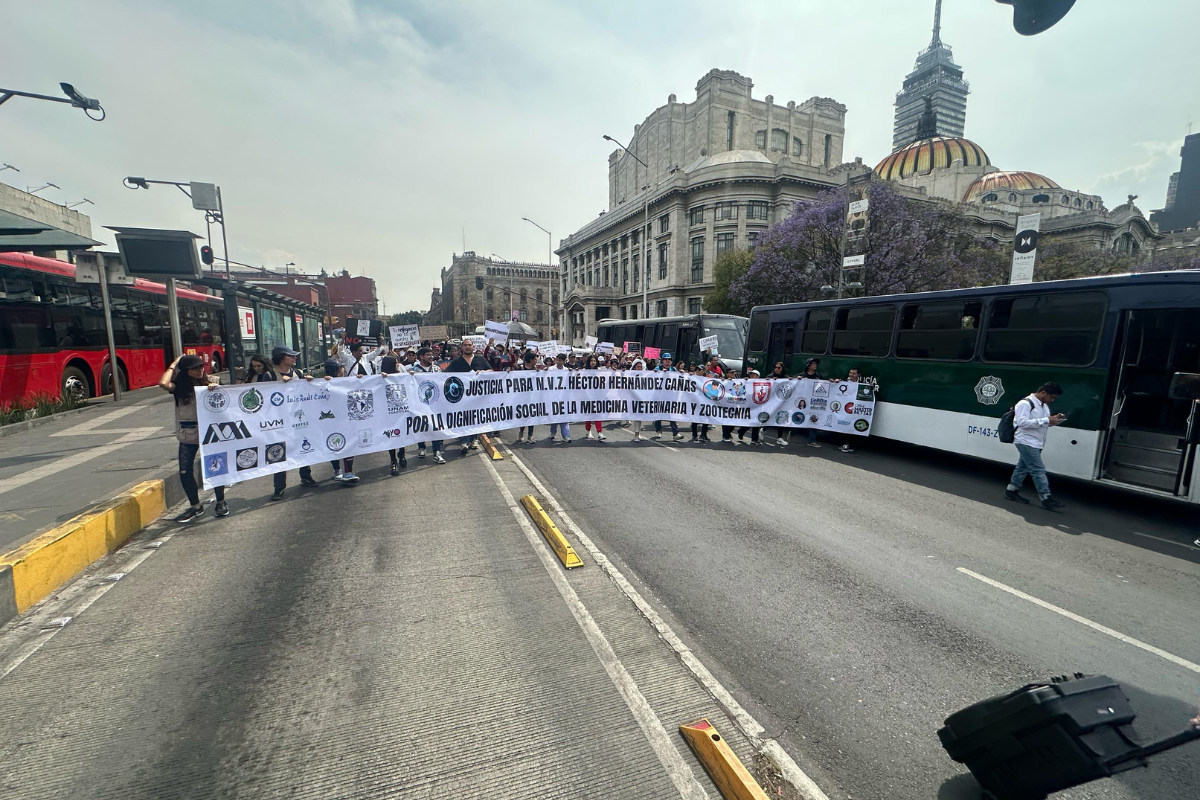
(1030, 419)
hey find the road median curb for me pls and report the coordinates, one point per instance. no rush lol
(37, 568)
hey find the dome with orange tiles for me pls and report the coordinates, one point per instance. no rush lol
(925, 155)
(1004, 182)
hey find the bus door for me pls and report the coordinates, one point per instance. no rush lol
(1152, 436)
(689, 344)
(781, 343)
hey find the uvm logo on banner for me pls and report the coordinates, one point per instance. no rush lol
(226, 432)
(760, 392)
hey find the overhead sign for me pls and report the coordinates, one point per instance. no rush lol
(204, 197)
(158, 253)
(404, 336)
(709, 343)
(854, 261)
(1025, 248)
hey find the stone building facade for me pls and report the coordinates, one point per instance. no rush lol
(531, 291)
(716, 174)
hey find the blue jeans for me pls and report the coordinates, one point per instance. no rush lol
(561, 427)
(1029, 462)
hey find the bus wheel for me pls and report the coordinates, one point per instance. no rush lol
(216, 364)
(106, 380)
(75, 384)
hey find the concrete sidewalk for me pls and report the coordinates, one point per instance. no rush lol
(407, 637)
(54, 470)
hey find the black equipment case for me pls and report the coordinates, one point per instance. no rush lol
(1050, 736)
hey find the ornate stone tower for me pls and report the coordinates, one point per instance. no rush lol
(938, 80)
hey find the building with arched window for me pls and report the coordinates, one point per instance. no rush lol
(510, 290)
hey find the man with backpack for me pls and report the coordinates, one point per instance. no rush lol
(1030, 420)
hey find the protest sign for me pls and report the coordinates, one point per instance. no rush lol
(496, 330)
(363, 331)
(434, 333)
(480, 341)
(591, 342)
(258, 429)
(633, 347)
(404, 336)
(651, 352)
(708, 343)
(606, 347)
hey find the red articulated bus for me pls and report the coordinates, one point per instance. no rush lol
(53, 340)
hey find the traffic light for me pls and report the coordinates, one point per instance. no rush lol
(479, 282)
(1031, 17)
(206, 254)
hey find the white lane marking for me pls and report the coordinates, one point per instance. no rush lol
(1165, 541)
(1149, 648)
(53, 467)
(64, 600)
(652, 727)
(90, 425)
(749, 726)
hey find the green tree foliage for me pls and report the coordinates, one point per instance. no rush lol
(729, 267)
(405, 318)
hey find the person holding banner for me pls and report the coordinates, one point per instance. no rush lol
(811, 373)
(560, 363)
(527, 362)
(666, 364)
(591, 362)
(639, 366)
(284, 361)
(180, 380)
(259, 366)
(391, 366)
(424, 363)
(468, 361)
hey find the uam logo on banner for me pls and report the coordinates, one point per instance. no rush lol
(496, 330)
(404, 336)
(709, 343)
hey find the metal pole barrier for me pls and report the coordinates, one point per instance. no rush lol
(224, 239)
(113, 366)
(173, 309)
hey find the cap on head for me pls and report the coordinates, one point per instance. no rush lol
(280, 353)
(332, 367)
(666, 357)
(189, 362)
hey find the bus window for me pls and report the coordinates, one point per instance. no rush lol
(789, 340)
(864, 331)
(758, 331)
(639, 333)
(1045, 329)
(816, 331)
(731, 336)
(939, 331)
(670, 336)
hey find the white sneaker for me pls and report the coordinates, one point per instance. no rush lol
(566, 441)
(337, 476)
(437, 458)
(656, 436)
(350, 477)
(421, 451)
(589, 435)
(601, 437)
(637, 436)
(678, 437)
(462, 451)
(520, 438)
(781, 442)
(814, 444)
(475, 445)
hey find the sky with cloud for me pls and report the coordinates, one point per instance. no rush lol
(377, 135)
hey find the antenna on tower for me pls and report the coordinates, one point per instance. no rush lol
(937, 24)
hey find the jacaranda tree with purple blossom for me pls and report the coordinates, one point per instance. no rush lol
(912, 246)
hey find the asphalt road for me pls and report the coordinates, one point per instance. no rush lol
(825, 589)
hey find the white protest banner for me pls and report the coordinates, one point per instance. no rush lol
(434, 333)
(256, 430)
(496, 330)
(591, 342)
(606, 347)
(404, 336)
(708, 343)
(564, 349)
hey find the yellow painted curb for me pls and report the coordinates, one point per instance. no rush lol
(566, 553)
(725, 768)
(43, 564)
(491, 448)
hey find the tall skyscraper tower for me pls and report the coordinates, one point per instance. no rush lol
(937, 78)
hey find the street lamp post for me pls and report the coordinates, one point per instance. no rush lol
(645, 237)
(203, 196)
(73, 98)
(549, 262)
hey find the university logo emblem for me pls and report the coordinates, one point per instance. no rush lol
(818, 404)
(277, 453)
(216, 464)
(813, 418)
(335, 442)
(270, 424)
(848, 407)
(216, 400)
(713, 390)
(835, 406)
(247, 458)
(453, 389)
(784, 389)
(250, 401)
(737, 392)
(226, 432)
(764, 417)
(989, 390)
(360, 404)
(397, 398)
(276, 399)
(760, 391)
(781, 417)
(861, 425)
(866, 392)
(364, 438)
(821, 389)
(798, 418)
(326, 415)
(306, 447)
(428, 392)
(843, 388)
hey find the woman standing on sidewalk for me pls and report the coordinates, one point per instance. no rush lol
(181, 380)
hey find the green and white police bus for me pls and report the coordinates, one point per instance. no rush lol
(950, 363)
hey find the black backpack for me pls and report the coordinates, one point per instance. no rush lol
(1006, 431)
